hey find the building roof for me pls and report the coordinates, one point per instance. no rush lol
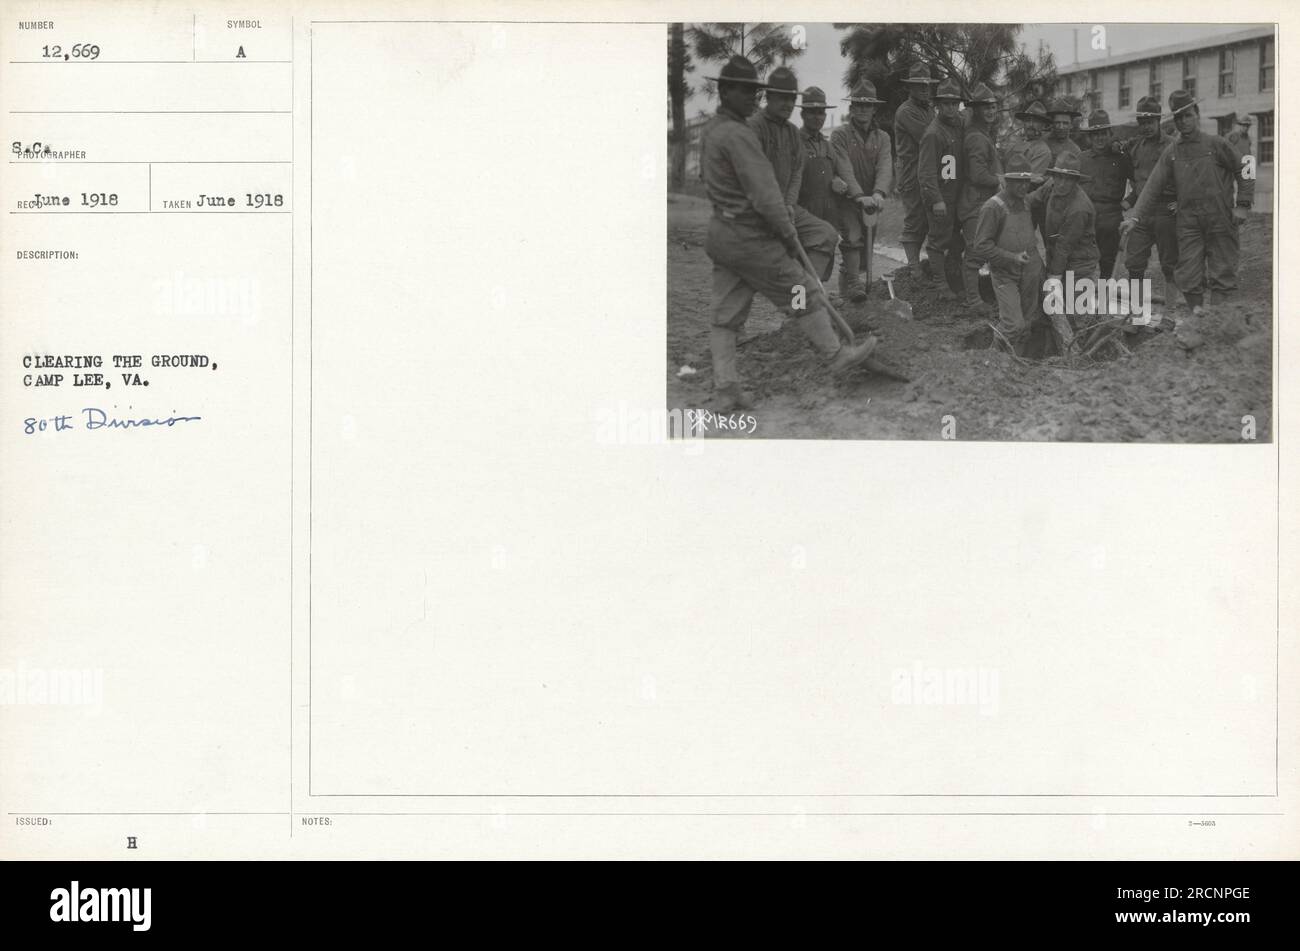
(1160, 52)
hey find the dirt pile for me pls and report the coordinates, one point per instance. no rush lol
(1156, 393)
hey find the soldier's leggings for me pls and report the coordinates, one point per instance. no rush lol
(915, 224)
(1109, 216)
(968, 228)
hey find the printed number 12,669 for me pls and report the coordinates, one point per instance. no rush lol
(78, 51)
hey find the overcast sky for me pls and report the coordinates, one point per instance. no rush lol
(821, 64)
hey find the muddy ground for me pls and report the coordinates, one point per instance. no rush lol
(1158, 393)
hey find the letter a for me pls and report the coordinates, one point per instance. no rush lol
(1054, 302)
(240, 54)
(59, 910)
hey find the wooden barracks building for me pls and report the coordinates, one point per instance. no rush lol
(1232, 75)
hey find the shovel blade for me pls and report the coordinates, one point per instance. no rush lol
(898, 308)
(885, 370)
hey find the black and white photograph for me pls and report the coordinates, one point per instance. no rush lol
(372, 490)
(977, 231)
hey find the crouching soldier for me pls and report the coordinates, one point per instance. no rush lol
(1157, 231)
(864, 159)
(753, 243)
(939, 171)
(1069, 230)
(1204, 170)
(1005, 238)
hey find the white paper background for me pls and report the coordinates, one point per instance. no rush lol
(503, 603)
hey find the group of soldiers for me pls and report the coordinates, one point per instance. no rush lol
(785, 198)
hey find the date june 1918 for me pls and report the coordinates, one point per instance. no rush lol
(96, 418)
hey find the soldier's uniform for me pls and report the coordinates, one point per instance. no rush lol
(1069, 225)
(938, 171)
(1005, 229)
(750, 241)
(749, 215)
(820, 185)
(866, 163)
(783, 144)
(910, 122)
(1239, 138)
(981, 171)
(1061, 144)
(1110, 171)
(1203, 169)
(1059, 147)
(1158, 230)
(1034, 151)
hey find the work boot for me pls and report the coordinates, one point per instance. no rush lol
(851, 355)
(927, 270)
(913, 251)
(816, 326)
(729, 397)
(952, 271)
(1170, 286)
(1187, 332)
(722, 348)
(939, 262)
(851, 286)
(1189, 311)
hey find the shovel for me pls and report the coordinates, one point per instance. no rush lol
(899, 308)
(869, 251)
(871, 363)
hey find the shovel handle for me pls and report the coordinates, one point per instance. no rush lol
(826, 298)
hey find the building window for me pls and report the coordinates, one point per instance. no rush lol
(1265, 65)
(1227, 72)
(1094, 90)
(1069, 85)
(1189, 74)
(1153, 81)
(1265, 136)
(1125, 90)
